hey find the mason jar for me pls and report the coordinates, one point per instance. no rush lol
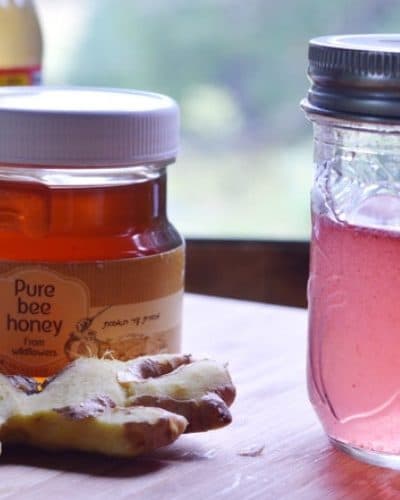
(354, 283)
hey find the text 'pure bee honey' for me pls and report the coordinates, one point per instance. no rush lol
(89, 263)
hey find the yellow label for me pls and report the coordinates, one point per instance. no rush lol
(51, 314)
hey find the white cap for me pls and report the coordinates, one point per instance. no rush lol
(89, 127)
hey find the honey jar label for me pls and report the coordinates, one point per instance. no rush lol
(30, 75)
(53, 313)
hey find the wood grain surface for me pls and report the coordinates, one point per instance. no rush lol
(265, 347)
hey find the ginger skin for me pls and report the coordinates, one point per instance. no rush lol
(114, 407)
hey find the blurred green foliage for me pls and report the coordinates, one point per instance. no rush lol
(238, 70)
(254, 52)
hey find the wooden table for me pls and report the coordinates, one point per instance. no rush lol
(265, 347)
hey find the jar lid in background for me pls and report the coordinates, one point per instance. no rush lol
(82, 126)
(357, 76)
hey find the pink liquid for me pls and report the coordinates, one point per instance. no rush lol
(354, 346)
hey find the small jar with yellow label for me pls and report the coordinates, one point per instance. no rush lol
(89, 263)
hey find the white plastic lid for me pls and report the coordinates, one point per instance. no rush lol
(89, 127)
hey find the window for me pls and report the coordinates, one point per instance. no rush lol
(238, 71)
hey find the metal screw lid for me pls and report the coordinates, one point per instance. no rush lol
(355, 76)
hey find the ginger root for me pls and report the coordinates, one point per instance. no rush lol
(114, 407)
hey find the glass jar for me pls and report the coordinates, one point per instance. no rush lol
(354, 284)
(21, 45)
(89, 263)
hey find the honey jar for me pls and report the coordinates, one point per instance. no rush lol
(89, 263)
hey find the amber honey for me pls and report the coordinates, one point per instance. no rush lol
(38, 222)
